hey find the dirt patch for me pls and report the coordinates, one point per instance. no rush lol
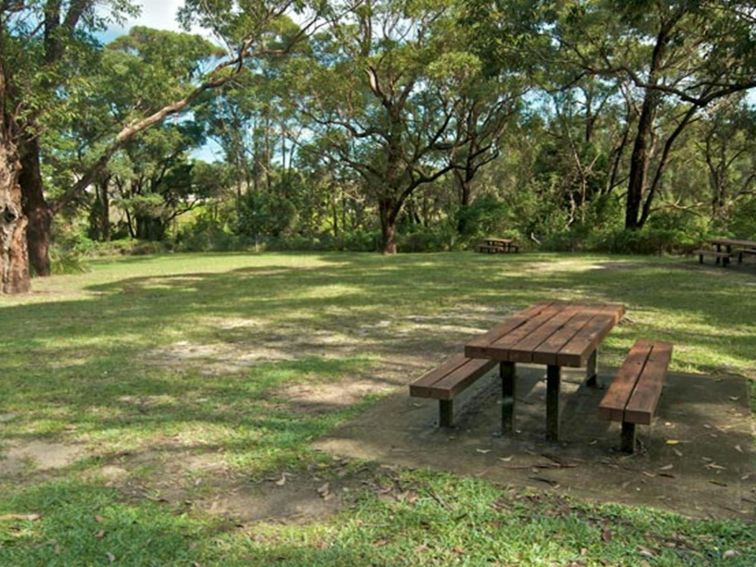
(326, 397)
(38, 456)
(696, 458)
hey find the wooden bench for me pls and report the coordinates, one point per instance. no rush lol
(445, 382)
(634, 394)
(724, 256)
(740, 252)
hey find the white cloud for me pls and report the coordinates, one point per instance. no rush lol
(158, 14)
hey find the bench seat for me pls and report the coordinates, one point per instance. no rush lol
(445, 382)
(634, 394)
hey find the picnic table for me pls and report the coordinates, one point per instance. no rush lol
(494, 245)
(557, 334)
(731, 247)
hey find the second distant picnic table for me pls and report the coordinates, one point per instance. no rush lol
(556, 334)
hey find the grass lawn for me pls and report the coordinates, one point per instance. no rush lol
(136, 395)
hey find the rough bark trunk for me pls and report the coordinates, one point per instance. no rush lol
(464, 186)
(14, 258)
(388, 211)
(639, 162)
(105, 202)
(35, 207)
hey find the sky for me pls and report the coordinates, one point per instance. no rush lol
(161, 14)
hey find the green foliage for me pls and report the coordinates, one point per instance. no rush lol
(743, 219)
(70, 246)
(267, 215)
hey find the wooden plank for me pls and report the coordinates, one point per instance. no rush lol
(420, 387)
(456, 381)
(502, 346)
(523, 351)
(476, 348)
(546, 352)
(642, 405)
(613, 404)
(576, 351)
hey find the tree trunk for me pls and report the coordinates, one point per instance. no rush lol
(105, 188)
(36, 209)
(639, 163)
(389, 212)
(464, 187)
(14, 258)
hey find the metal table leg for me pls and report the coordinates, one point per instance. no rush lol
(553, 379)
(507, 372)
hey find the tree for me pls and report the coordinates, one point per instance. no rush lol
(44, 34)
(383, 97)
(680, 55)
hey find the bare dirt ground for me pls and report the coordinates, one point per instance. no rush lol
(695, 458)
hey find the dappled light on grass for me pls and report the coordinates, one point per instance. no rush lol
(182, 378)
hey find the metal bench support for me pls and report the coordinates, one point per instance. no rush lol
(628, 437)
(446, 413)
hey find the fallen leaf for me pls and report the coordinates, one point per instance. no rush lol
(673, 441)
(738, 448)
(24, 517)
(646, 552)
(715, 466)
(483, 451)
(666, 467)
(325, 490)
(606, 535)
(730, 553)
(506, 459)
(281, 481)
(110, 556)
(100, 534)
(734, 398)
(677, 452)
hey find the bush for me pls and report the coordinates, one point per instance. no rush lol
(743, 220)
(70, 245)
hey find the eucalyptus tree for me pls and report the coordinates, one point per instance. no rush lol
(381, 92)
(42, 46)
(35, 70)
(680, 56)
(727, 146)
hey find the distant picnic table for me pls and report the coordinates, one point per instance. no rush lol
(723, 249)
(498, 245)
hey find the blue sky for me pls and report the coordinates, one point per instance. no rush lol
(161, 14)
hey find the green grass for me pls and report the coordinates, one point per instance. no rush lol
(134, 363)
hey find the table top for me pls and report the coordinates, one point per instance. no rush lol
(731, 242)
(556, 333)
(498, 240)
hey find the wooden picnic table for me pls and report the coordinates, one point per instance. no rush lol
(498, 241)
(496, 245)
(742, 246)
(554, 333)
